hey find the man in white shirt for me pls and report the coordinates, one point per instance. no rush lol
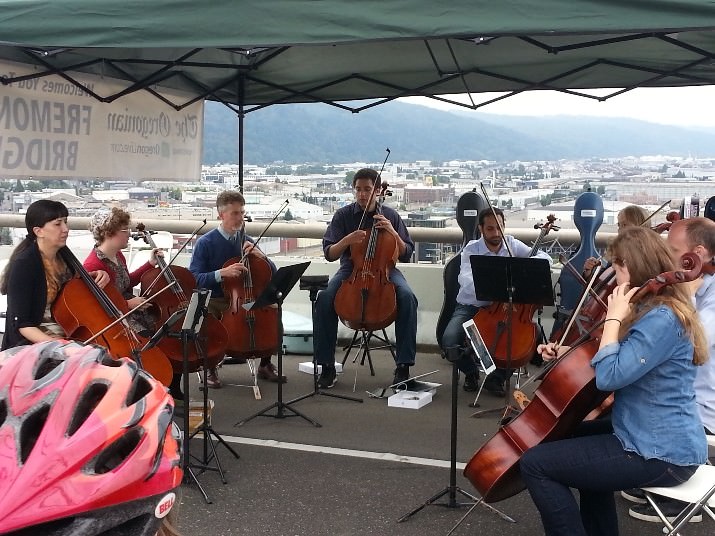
(490, 243)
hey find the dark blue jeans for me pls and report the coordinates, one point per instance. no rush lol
(597, 466)
(325, 330)
(454, 336)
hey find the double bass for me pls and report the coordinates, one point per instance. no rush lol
(566, 395)
(84, 310)
(367, 298)
(181, 285)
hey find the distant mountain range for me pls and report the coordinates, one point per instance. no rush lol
(319, 133)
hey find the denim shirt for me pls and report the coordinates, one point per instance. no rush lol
(651, 373)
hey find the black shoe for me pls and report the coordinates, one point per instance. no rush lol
(471, 382)
(635, 495)
(402, 375)
(495, 387)
(212, 379)
(328, 377)
(671, 509)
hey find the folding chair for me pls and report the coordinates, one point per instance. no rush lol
(698, 492)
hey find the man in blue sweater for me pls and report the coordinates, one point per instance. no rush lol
(211, 251)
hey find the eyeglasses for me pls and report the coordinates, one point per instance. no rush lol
(618, 261)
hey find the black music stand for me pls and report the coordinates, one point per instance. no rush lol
(275, 292)
(453, 354)
(193, 319)
(314, 284)
(510, 280)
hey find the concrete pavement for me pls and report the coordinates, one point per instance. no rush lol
(365, 467)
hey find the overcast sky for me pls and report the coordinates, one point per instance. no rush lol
(687, 106)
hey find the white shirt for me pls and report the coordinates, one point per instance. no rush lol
(705, 378)
(467, 295)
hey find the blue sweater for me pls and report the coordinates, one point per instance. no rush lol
(211, 251)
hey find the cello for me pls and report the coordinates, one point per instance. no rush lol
(84, 311)
(366, 299)
(566, 395)
(492, 321)
(245, 340)
(182, 284)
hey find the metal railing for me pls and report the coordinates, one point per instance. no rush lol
(568, 239)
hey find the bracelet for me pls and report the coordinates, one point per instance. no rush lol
(614, 319)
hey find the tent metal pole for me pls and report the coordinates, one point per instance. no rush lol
(241, 115)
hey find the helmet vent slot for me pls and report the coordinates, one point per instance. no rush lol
(3, 411)
(139, 389)
(107, 360)
(115, 454)
(89, 400)
(31, 429)
(45, 366)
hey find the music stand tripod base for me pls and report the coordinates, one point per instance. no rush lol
(275, 292)
(452, 489)
(189, 333)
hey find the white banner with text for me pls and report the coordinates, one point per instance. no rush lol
(51, 128)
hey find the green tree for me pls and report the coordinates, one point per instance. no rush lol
(601, 190)
(19, 187)
(349, 178)
(288, 216)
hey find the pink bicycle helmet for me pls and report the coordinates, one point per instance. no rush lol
(87, 444)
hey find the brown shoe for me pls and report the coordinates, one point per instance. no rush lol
(269, 372)
(212, 379)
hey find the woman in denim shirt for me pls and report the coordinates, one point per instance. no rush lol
(647, 356)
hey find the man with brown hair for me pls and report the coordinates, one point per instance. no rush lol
(211, 251)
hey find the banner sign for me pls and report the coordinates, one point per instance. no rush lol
(51, 128)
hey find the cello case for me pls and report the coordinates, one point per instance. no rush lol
(588, 217)
(709, 210)
(469, 205)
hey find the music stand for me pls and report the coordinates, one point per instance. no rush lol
(510, 280)
(453, 354)
(275, 292)
(314, 284)
(190, 328)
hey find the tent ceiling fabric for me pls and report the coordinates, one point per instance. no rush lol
(267, 52)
